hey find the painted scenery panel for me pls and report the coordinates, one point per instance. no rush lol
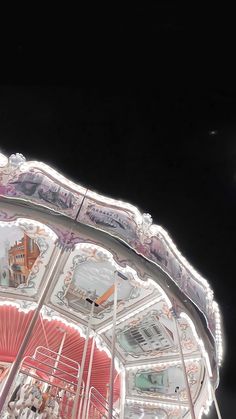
(89, 276)
(138, 412)
(40, 188)
(152, 333)
(4, 370)
(146, 335)
(18, 253)
(162, 380)
(24, 251)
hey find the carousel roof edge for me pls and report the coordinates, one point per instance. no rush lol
(37, 183)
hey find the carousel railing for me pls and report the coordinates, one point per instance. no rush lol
(58, 359)
(59, 371)
(62, 374)
(98, 404)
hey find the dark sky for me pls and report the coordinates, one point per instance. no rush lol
(165, 146)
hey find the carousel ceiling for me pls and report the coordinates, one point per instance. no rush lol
(48, 334)
(53, 231)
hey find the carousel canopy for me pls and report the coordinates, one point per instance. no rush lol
(64, 247)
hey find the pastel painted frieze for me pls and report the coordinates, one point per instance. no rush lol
(26, 181)
(115, 220)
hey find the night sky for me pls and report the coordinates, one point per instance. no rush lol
(169, 149)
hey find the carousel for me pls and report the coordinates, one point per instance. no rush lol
(100, 314)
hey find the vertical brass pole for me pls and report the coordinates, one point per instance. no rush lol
(81, 371)
(191, 407)
(86, 404)
(113, 347)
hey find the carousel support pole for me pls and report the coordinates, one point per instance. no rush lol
(209, 375)
(82, 395)
(216, 403)
(122, 393)
(107, 397)
(180, 409)
(86, 404)
(113, 347)
(15, 366)
(59, 352)
(190, 402)
(77, 396)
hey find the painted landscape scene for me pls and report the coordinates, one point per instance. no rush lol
(18, 253)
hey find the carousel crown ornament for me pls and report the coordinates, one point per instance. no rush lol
(101, 316)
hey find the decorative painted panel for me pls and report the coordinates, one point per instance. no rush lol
(25, 250)
(144, 336)
(30, 181)
(115, 220)
(152, 242)
(151, 333)
(161, 381)
(89, 275)
(4, 370)
(147, 336)
(141, 411)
